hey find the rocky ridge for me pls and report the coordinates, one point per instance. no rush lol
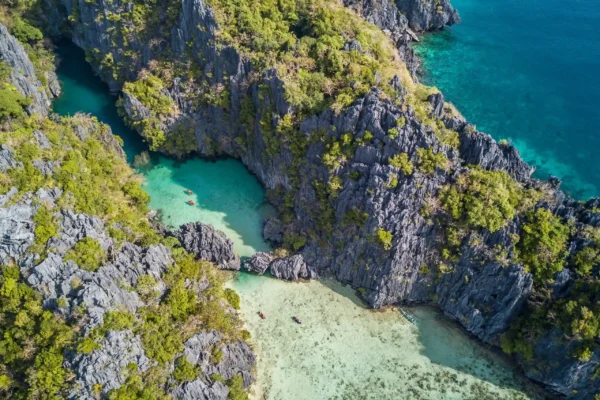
(97, 306)
(376, 230)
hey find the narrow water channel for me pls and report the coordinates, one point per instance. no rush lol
(342, 350)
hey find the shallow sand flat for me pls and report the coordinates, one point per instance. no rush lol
(344, 351)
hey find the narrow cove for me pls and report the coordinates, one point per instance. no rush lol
(342, 350)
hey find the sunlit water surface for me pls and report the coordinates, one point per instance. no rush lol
(342, 350)
(527, 71)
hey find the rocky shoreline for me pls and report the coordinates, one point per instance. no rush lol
(85, 300)
(365, 192)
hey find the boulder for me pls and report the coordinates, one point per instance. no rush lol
(258, 263)
(208, 244)
(290, 268)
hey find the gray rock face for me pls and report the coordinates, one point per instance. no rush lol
(484, 300)
(482, 293)
(208, 244)
(554, 365)
(16, 229)
(237, 358)
(7, 159)
(291, 268)
(198, 390)
(258, 263)
(273, 230)
(426, 15)
(105, 366)
(23, 74)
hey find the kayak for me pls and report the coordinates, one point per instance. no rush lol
(409, 316)
(261, 315)
(190, 202)
(297, 320)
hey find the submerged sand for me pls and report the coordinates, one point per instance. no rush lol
(343, 350)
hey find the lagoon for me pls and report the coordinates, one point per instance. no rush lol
(342, 350)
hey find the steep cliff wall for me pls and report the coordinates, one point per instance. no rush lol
(93, 302)
(379, 182)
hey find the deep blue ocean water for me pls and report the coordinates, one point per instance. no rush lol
(527, 71)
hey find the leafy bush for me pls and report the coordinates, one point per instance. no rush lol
(32, 341)
(543, 244)
(402, 162)
(184, 370)
(236, 389)
(486, 199)
(384, 238)
(355, 217)
(429, 161)
(118, 321)
(45, 228)
(233, 298)
(87, 254)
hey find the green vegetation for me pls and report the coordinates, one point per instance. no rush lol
(293, 241)
(148, 89)
(543, 244)
(236, 389)
(384, 238)
(589, 256)
(87, 254)
(232, 298)
(185, 370)
(32, 341)
(430, 161)
(355, 217)
(45, 228)
(138, 388)
(402, 162)
(486, 199)
(305, 42)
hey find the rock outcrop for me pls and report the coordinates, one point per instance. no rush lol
(23, 75)
(208, 244)
(98, 311)
(361, 218)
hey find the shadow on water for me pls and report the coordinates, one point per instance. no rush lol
(84, 92)
(224, 188)
(479, 361)
(240, 207)
(344, 290)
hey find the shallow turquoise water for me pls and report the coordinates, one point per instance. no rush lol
(342, 350)
(527, 70)
(226, 195)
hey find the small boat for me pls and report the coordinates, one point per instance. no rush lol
(409, 316)
(190, 202)
(297, 320)
(261, 315)
(188, 191)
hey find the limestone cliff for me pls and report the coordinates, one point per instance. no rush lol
(392, 192)
(93, 302)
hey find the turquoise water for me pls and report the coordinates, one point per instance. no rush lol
(226, 195)
(342, 350)
(526, 70)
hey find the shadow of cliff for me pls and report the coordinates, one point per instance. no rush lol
(445, 343)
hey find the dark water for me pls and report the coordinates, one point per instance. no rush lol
(526, 70)
(84, 92)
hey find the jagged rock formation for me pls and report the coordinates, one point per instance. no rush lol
(373, 217)
(208, 244)
(23, 76)
(95, 290)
